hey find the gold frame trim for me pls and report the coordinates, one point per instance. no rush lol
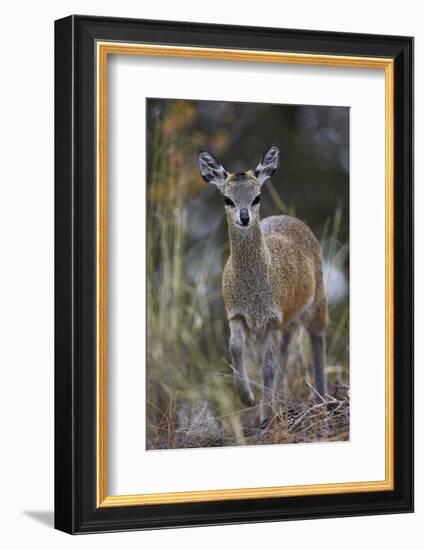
(103, 49)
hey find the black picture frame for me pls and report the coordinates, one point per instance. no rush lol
(76, 510)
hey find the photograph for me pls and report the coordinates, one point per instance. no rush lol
(247, 270)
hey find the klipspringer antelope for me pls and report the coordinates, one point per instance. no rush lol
(272, 281)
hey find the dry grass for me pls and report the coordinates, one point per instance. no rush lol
(194, 424)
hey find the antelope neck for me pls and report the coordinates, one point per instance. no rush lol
(248, 248)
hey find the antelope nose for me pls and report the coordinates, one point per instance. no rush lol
(244, 216)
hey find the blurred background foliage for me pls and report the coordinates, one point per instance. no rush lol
(190, 394)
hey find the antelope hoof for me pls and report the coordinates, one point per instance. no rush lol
(263, 423)
(247, 399)
(265, 415)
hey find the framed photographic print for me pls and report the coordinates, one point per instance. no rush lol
(234, 269)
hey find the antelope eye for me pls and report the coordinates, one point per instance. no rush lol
(256, 200)
(228, 202)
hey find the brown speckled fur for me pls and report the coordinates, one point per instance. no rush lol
(274, 274)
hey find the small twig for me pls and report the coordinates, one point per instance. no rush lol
(304, 414)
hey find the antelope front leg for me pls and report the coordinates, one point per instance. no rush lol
(237, 349)
(273, 342)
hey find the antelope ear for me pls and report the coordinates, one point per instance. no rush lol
(269, 164)
(211, 170)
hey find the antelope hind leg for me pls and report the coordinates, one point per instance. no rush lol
(318, 359)
(238, 352)
(281, 367)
